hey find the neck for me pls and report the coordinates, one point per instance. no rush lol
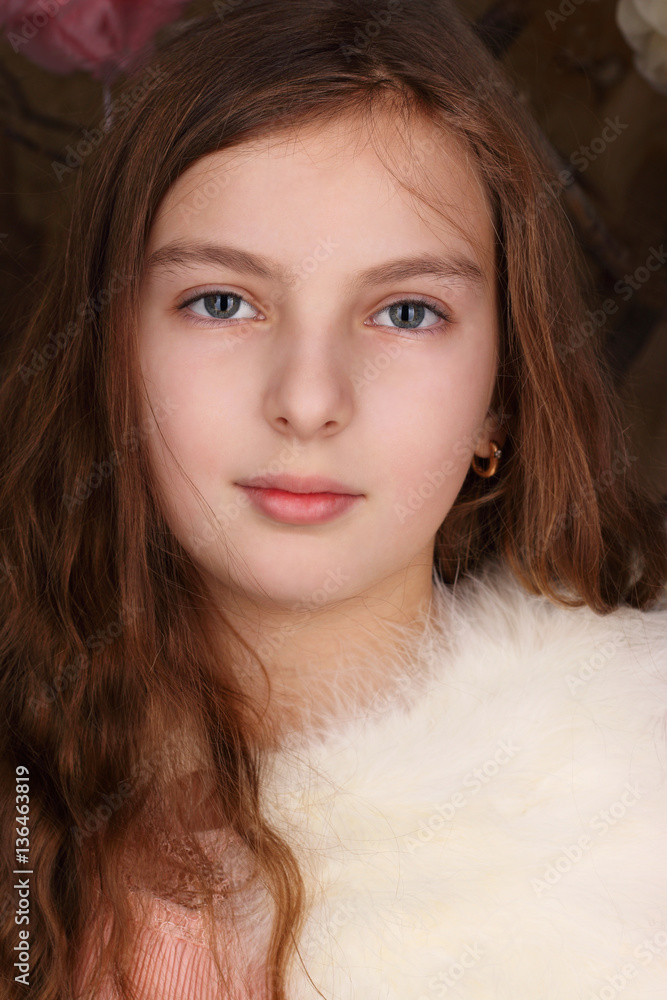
(327, 662)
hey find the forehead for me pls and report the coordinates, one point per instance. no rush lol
(366, 173)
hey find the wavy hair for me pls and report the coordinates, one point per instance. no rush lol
(108, 665)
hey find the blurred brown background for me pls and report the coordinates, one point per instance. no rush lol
(570, 63)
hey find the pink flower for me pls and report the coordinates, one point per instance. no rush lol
(102, 37)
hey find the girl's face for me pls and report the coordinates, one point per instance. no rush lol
(303, 315)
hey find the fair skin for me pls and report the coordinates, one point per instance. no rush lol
(313, 376)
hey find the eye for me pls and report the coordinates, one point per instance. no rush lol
(408, 314)
(220, 305)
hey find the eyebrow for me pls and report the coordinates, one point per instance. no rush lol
(184, 254)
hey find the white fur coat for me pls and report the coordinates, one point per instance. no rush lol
(492, 827)
(496, 827)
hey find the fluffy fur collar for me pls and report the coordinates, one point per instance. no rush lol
(494, 829)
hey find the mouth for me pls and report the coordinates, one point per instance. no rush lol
(314, 500)
(287, 483)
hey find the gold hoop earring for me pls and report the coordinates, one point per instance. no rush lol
(494, 454)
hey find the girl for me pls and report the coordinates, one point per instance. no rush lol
(333, 649)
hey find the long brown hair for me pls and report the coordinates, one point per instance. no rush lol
(106, 649)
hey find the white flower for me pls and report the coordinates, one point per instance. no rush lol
(644, 24)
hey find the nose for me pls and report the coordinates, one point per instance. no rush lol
(309, 386)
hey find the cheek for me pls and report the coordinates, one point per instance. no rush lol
(212, 378)
(429, 429)
(185, 446)
(207, 397)
(428, 474)
(174, 454)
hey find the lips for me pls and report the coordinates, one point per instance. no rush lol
(300, 484)
(301, 500)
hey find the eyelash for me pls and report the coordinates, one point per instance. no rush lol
(412, 300)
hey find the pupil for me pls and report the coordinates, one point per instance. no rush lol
(407, 313)
(211, 303)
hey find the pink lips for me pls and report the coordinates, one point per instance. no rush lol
(299, 500)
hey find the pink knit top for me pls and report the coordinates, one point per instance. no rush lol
(171, 958)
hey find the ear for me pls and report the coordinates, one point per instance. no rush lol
(493, 431)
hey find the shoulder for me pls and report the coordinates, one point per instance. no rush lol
(507, 680)
(567, 683)
(532, 640)
(513, 801)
